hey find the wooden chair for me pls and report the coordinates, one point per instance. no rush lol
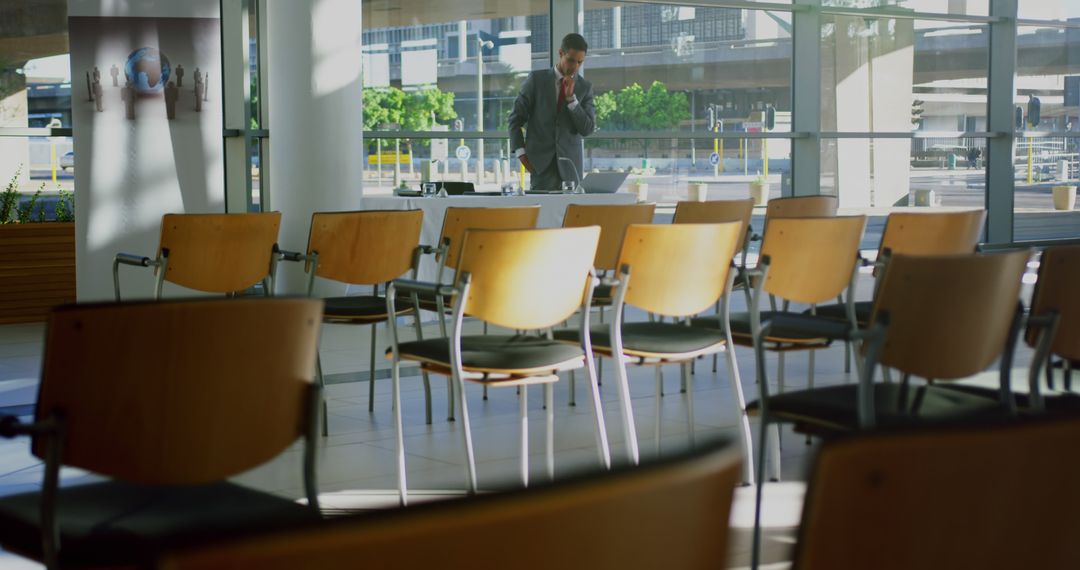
(802, 207)
(803, 260)
(907, 233)
(940, 318)
(673, 271)
(613, 221)
(1053, 329)
(624, 517)
(456, 222)
(168, 400)
(525, 280)
(1055, 294)
(983, 496)
(718, 212)
(362, 248)
(215, 253)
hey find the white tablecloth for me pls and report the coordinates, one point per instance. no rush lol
(552, 208)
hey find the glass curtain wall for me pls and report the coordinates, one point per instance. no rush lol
(36, 88)
(1047, 107)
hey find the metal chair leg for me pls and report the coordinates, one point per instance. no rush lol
(395, 385)
(659, 381)
(470, 463)
(523, 404)
(573, 389)
(549, 401)
(424, 373)
(658, 409)
(682, 380)
(744, 419)
(755, 549)
(598, 413)
(322, 394)
(847, 357)
(810, 370)
(629, 431)
(371, 373)
(485, 392)
(689, 380)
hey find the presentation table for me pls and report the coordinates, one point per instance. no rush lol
(552, 209)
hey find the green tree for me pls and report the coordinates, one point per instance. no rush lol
(411, 111)
(634, 108)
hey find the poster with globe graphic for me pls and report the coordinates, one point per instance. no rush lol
(147, 117)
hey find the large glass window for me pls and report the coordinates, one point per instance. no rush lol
(896, 76)
(1046, 155)
(36, 88)
(666, 67)
(423, 71)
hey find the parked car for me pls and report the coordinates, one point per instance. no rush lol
(67, 161)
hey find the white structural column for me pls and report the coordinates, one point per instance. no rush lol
(315, 98)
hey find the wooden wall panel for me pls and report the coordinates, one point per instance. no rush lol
(37, 270)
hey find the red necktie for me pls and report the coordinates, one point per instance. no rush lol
(562, 97)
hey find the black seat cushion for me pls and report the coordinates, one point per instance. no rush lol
(123, 523)
(359, 307)
(651, 337)
(835, 407)
(838, 311)
(494, 352)
(786, 327)
(1067, 402)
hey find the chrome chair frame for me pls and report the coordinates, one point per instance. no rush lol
(459, 375)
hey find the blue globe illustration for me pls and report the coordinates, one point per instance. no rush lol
(148, 69)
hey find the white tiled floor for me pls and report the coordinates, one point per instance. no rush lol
(358, 456)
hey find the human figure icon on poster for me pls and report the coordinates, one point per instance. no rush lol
(97, 75)
(99, 96)
(206, 86)
(179, 75)
(114, 71)
(172, 94)
(198, 95)
(127, 93)
(198, 77)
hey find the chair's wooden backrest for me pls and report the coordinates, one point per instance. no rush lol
(802, 207)
(714, 212)
(460, 220)
(179, 392)
(948, 316)
(672, 515)
(811, 260)
(365, 247)
(613, 220)
(979, 497)
(937, 233)
(527, 279)
(678, 270)
(1058, 289)
(219, 253)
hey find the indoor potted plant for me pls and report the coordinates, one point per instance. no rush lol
(37, 266)
(759, 190)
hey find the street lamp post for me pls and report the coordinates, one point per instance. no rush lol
(481, 45)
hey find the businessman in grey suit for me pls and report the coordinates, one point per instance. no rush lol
(556, 108)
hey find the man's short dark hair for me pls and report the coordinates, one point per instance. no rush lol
(574, 42)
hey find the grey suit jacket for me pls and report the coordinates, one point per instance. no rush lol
(551, 134)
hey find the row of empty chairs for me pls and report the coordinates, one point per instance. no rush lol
(535, 279)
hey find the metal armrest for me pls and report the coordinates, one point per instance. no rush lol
(11, 426)
(132, 259)
(427, 288)
(286, 255)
